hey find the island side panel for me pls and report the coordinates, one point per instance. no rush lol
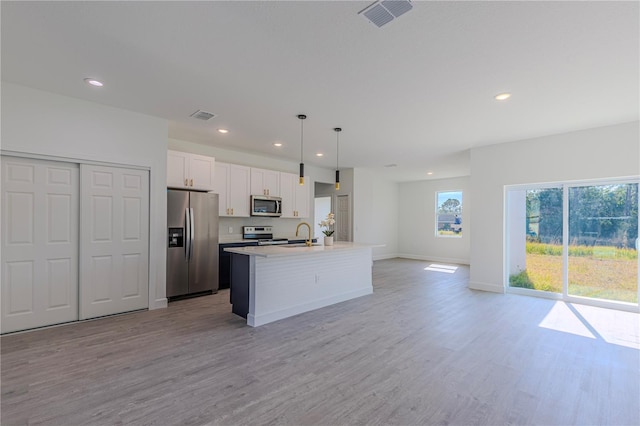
(287, 286)
(239, 284)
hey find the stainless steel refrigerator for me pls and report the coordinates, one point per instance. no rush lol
(192, 248)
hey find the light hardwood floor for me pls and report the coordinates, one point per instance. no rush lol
(423, 349)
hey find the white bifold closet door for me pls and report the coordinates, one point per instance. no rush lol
(114, 240)
(39, 243)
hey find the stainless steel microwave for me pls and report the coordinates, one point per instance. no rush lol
(263, 205)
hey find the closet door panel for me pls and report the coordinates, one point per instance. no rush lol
(39, 243)
(114, 240)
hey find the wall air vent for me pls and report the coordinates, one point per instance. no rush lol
(383, 12)
(202, 115)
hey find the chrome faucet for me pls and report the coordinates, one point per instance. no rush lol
(308, 242)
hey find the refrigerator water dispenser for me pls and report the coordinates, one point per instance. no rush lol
(176, 237)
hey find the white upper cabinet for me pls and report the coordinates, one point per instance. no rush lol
(295, 197)
(232, 184)
(265, 182)
(190, 171)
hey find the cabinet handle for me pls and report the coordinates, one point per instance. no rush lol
(227, 212)
(268, 192)
(186, 182)
(191, 182)
(232, 211)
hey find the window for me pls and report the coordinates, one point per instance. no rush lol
(449, 214)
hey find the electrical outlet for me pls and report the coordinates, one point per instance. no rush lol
(317, 278)
(231, 229)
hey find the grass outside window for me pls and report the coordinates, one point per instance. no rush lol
(601, 272)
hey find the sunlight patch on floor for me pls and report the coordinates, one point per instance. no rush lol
(561, 318)
(449, 269)
(612, 326)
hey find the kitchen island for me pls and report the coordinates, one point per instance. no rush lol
(269, 283)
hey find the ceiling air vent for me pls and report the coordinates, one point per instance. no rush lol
(202, 115)
(383, 12)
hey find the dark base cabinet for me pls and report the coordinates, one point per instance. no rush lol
(240, 284)
(224, 280)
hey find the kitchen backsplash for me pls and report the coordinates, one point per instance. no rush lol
(281, 227)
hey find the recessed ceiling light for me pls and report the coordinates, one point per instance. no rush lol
(502, 96)
(93, 82)
(429, 173)
(278, 144)
(223, 131)
(319, 154)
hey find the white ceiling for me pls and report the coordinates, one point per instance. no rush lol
(417, 92)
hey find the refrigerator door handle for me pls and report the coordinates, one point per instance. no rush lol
(187, 245)
(193, 233)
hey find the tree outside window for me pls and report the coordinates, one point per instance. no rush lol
(449, 214)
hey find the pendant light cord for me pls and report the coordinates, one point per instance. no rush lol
(337, 149)
(302, 117)
(337, 130)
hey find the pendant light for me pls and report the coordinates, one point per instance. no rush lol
(337, 130)
(302, 117)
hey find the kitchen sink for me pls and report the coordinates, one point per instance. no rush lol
(300, 245)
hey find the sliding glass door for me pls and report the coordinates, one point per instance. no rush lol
(602, 252)
(574, 242)
(535, 238)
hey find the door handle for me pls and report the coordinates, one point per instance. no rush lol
(193, 232)
(187, 246)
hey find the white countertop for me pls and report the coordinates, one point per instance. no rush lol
(296, 250)
(228, 239)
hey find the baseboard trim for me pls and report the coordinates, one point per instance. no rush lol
(159, 304)
(385, 256)
(474, 285)
(434, 259)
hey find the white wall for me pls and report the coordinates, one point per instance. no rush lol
(604, 152)
(417, 221)
(375, 212)
(43, 123)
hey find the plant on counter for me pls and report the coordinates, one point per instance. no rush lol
(328, 225)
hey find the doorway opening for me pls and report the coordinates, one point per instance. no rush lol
(321, 210)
